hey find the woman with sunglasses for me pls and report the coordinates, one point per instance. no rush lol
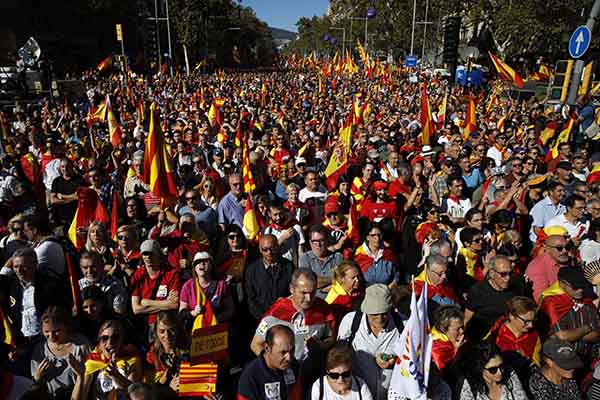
(169, 349)
(110, 368)
(207, 189)
(376, 261)
(486, 376)
(339, 382)
(516, 337)
(50, 357)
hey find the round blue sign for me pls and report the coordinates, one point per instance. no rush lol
(580, 41)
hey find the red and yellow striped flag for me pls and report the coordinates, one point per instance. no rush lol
(141, 116)
(505, 72)
(470, 119)
(563, 136)
(158, 171)
(338, 163)
(251, 227)
(8, 336)
(427, 128)
(249, 184)
(197, 380)
(89, 209)
(105, 64)
(114, 128)
(207, 318)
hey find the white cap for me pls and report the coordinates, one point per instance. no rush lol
(201, 255)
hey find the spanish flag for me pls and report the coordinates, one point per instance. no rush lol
(441, 114)
(89, 209)
(338, 163)
(207, 318)
(527, 345)
(548, 132)
(158, 172)
(114, 128)
(214, 113)
(340, 301)
(128, 359)
(197, 380)
(249, 184)
(470, 119)
(505, 72)
(263, 95)
(8, 336)
(555, 303)
(96, 115)
(105, 64)
(442, 349)
(361, 52)
(427, 128)
(251, 227)
(563, 136)
(141, 115)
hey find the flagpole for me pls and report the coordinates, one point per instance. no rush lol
(412, 35)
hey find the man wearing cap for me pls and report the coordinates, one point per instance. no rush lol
(320, 259)
(378, 207)
(154, 286)
(546, 209)
(497, 151)
(568, 313)
(372, 333)
(594, 175)
(556, 379)
(572, 220)
(542, 271)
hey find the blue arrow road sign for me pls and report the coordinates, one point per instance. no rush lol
(411, 61)
(580, 41)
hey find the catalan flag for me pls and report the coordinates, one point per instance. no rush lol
(158, 172)
(470, 119)
(427, 128)
(89, 208)
(505, 72)
(249, 184)
(251, 227)
(141, 115)
(441, 114)
(197, 380)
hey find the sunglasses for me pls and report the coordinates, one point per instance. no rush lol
(233, 237)
(337, 375)
(494, 370)
(122, 237)
(559, 248)
(106, 338)
(504, 274)
(525, 321)
(147, 254)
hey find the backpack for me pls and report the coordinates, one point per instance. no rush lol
(356, 324)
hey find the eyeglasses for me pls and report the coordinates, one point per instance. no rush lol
(233, 237)
(558, 248)
(337, 375)
(106, 338)
(517, 165)
(494, 370)
(122, 237)
(526, 321)
(439, 274)
(504, 274)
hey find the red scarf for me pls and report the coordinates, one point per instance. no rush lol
(284, 310)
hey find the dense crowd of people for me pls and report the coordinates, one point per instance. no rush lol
(501, 222)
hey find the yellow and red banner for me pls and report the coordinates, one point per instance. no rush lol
(505, 72)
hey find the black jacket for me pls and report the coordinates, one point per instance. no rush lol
(49, 291)
(264, 286)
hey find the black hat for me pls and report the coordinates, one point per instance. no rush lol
(562, 353)
(573, 276)
(564, 165)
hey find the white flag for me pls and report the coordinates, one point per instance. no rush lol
(411, 371)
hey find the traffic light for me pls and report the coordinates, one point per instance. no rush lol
(451, 39)
(559, 88)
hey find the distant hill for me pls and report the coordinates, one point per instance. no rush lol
(282, 34)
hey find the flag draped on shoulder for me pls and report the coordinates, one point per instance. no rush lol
(411, 371)
(89, 209)
(158, 171)
(427, 128)
(207, 318)
(505, 72)
(563, 136)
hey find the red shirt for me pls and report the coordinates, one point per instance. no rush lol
(144, 287)
(378, 211)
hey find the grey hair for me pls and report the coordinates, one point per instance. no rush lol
(436, 247)
(436, 260)
(494, 260)
(26, 252)
(141, 388)
(303, 273)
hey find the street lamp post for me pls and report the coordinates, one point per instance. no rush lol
(343, 38)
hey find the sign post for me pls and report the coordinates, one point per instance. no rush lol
(120, 39)
(578, 45)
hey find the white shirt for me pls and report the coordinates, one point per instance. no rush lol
(30, 324)
(366, 346)
(589, 251)
(51, 257)
(306, 194)
(575, 230)
(51, 172)
(329, 394)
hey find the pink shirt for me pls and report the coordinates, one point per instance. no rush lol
(542, 271)
(188, 293)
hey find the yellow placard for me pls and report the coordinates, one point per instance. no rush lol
(119, 33)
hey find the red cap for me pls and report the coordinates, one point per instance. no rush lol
(378, 185)
(331, 206)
